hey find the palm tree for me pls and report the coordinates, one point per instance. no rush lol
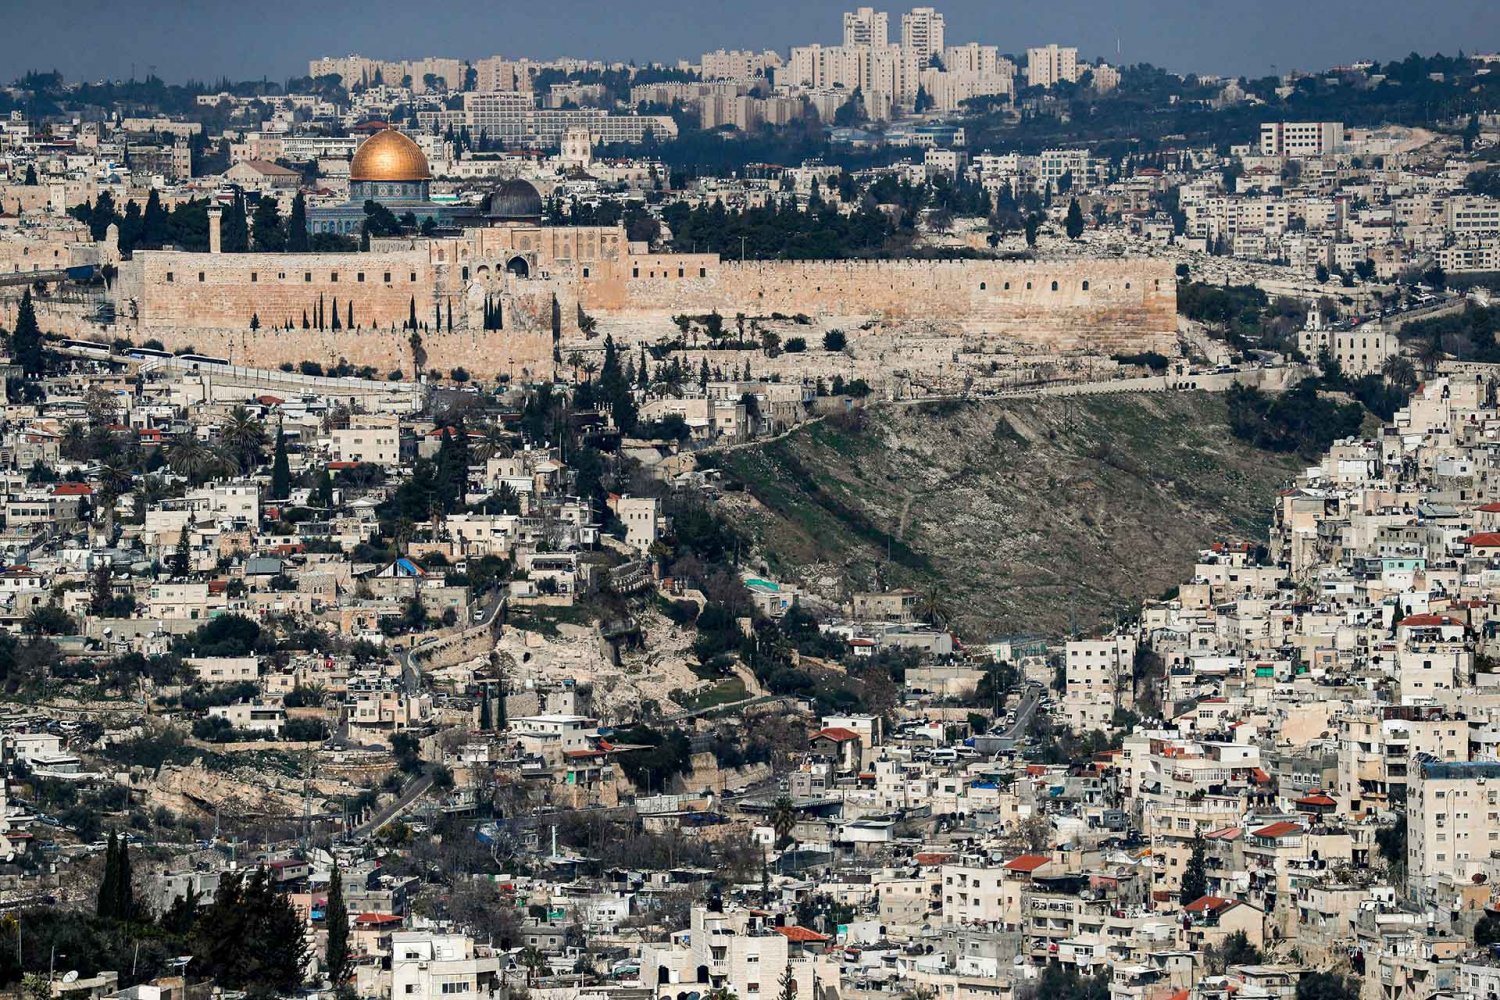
(531, 957)
(187, 456)
(783, 821)
(244, 437)
(1429, 352)
(1399, 371)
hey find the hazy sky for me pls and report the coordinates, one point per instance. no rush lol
(245, 39)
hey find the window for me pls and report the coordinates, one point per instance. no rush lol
(169, 275)
(585, 272)
(360, 277)
(1085, 286)
(387, 277)
(254, 277)
(682, 272)
(200, 277)
(307, 276)
(334, 277)
(1054, 286)
(414, 276)
(702, 272)
(982, 286)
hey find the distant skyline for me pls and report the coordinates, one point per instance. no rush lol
(209, 39)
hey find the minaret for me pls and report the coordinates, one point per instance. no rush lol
(215, 229)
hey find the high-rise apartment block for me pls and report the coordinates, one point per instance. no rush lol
(1051, 64)
(922, 34)
(866, 28)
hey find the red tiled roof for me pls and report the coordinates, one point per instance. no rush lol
(1489, 508)
(837, 734)
(934, 857)
(72, 490)
(1226, 833)
(1484, 539)
(1316, 799)
(1027, 862)
(269, 400)
(376, 919)
(1428, 621)
(1277, 830)
(1210, 904)
(802, 935)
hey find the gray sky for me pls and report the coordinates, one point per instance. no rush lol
(246, 39)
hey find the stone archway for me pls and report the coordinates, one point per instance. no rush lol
(517, 265)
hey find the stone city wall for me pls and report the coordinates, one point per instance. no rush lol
(1102, 305)
(207, 300)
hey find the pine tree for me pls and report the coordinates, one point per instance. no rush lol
(336, 919)
(1195, 875)
(281, 473)
(26, 339)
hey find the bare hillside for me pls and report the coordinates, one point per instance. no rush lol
(1014, 516)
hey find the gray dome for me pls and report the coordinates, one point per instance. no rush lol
(514, 200)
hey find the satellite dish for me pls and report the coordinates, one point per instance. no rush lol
(70, 976)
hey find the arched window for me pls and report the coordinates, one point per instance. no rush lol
(1054, 286)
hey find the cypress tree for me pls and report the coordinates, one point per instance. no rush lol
(296, 226)
(124, 890)
(1195, 875)
(26, 339)
(349, 323)
(336, 313)
(109, 885)
(336, 919)
(486, 721)
(281, 473)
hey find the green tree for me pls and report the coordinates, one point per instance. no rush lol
(1327, 986)
(322, 491)
(336, 919)
(783, 821)
(1487, 930)
(1195, 875)
(109, 885)
(26, 338)
(268, 232)
(244, 437)
(834, 341)
(1073, 225)
(296, 225)
(281, 473)
(181, 566)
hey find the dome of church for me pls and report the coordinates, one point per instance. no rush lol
(389, 156)
(514, 201)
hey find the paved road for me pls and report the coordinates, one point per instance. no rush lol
(413, 791)
(1025, 711)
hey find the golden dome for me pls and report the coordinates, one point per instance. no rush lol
(388, 156)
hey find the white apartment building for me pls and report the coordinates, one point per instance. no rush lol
(922, 34)
(428, 966)
(1299, 139)
(739, 952)
(1452, 821)
(1472, 216)
(737, 64)
(866, 27)
(1097, 671)
(642, 519)
(1049, 64)
(1470, 257)
(370, 438)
